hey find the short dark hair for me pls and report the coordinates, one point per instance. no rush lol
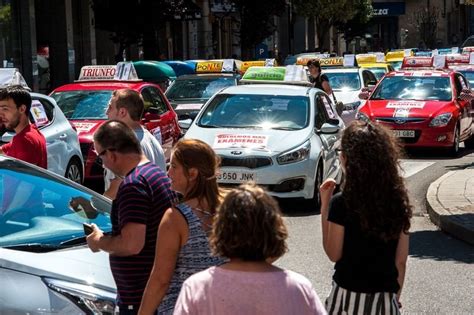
(314, 63)
(249, 225)
(18, 94)
(117, 136)
(132, 101)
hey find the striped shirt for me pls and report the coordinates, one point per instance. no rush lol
(143, 197)
(194, 256)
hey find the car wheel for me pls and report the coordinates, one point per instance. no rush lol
(469, 143)
(316, 201)
(455, 148)
(74, 171)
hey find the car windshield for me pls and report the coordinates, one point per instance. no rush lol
(40, 210)
(469, 76)
(396, 64)
(344, 81)
(198, 87)
(378, 72)
(256, 111)
(83, 104)
(413, 88)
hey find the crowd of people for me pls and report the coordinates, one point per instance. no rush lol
(180, 245)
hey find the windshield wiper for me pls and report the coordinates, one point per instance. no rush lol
(209, 126)
(35, 247)
(284, 128)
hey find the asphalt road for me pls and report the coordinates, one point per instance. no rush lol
(440, 271)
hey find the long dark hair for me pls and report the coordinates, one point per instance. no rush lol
(373, 189)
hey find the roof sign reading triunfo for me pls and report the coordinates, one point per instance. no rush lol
(123, 71)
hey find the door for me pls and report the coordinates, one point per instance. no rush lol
(157, 118)
(325, 114)
(465, 105)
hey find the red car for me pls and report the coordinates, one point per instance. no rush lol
(85, 103)
(424, 106)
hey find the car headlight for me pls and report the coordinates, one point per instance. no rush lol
(352, 106)
(87, 298)
(441, 120)
(361, 116)
(299, 154)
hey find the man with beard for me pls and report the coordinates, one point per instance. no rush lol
(28, 144)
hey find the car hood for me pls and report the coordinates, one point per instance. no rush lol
(77, 264)
(406, 108)
(86, 127)
(250, 141)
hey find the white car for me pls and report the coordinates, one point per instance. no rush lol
(45, 264)
(62, 142)
(283, 137)
(346, 84)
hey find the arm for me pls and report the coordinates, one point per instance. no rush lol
(129, 242)
(111, 193)
(168, 244)
(333, 234)
(401, 257)
(326, 87)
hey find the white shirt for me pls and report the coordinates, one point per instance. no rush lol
(151, 149)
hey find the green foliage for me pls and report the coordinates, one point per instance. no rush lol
(327, 13)
(257, 21)
(5, 14)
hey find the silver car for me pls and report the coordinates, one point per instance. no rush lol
(62, 142)
(284, 137)
(45, 264)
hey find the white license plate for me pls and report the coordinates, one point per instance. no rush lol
(404, 133)
(233, 177)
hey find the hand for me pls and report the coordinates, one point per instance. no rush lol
(325, 190)
(93, 239)
(83, 207)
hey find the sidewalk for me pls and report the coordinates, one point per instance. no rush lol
(450, 203)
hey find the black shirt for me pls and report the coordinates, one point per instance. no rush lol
(367, 264)
(318, 81)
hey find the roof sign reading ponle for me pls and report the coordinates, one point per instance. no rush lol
(215, 66)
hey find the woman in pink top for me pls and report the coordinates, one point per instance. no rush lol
(248, 229)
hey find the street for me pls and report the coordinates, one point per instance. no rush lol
(440, 269)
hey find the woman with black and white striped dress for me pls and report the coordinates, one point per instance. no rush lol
(365, 226)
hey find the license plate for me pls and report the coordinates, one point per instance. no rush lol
(404, 133)
(232, 177)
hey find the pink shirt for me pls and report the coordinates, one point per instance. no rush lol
(221, 291)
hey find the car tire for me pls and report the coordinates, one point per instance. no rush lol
(316, 200)
(74, 171)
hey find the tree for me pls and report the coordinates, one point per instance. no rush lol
(358, 24)
(327, 13)
(136, 21)
(426, 24)
(256, 21)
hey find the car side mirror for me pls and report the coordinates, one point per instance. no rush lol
(7, 137)
(330, 128)
(365, 93)
(185, 124)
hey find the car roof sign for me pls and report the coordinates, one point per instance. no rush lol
(457, 59)
(216, 66)
(258, 63)
(291, 74)
(303, 60)
(413, 62)
(395, 55)
(123, 71)
(11, 76)
(468, 49)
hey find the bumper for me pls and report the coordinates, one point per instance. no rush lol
(294, 180)
(426, 136)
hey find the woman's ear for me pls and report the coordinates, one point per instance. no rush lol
(193, 173)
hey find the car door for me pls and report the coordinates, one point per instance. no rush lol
(325, 113)
(464, 103)
(156, 118)
(42, 114)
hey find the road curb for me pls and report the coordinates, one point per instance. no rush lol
(440, 216)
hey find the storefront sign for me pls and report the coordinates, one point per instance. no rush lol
(382, 9)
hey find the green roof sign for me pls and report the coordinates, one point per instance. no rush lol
(265, 74)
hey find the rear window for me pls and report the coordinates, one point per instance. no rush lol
(83, 104)
(344, 81)
(198, 88)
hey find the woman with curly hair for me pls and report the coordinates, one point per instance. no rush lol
(182, 244)
(365, 226)
(249, 229)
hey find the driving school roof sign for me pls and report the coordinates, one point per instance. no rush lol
(124, 71)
